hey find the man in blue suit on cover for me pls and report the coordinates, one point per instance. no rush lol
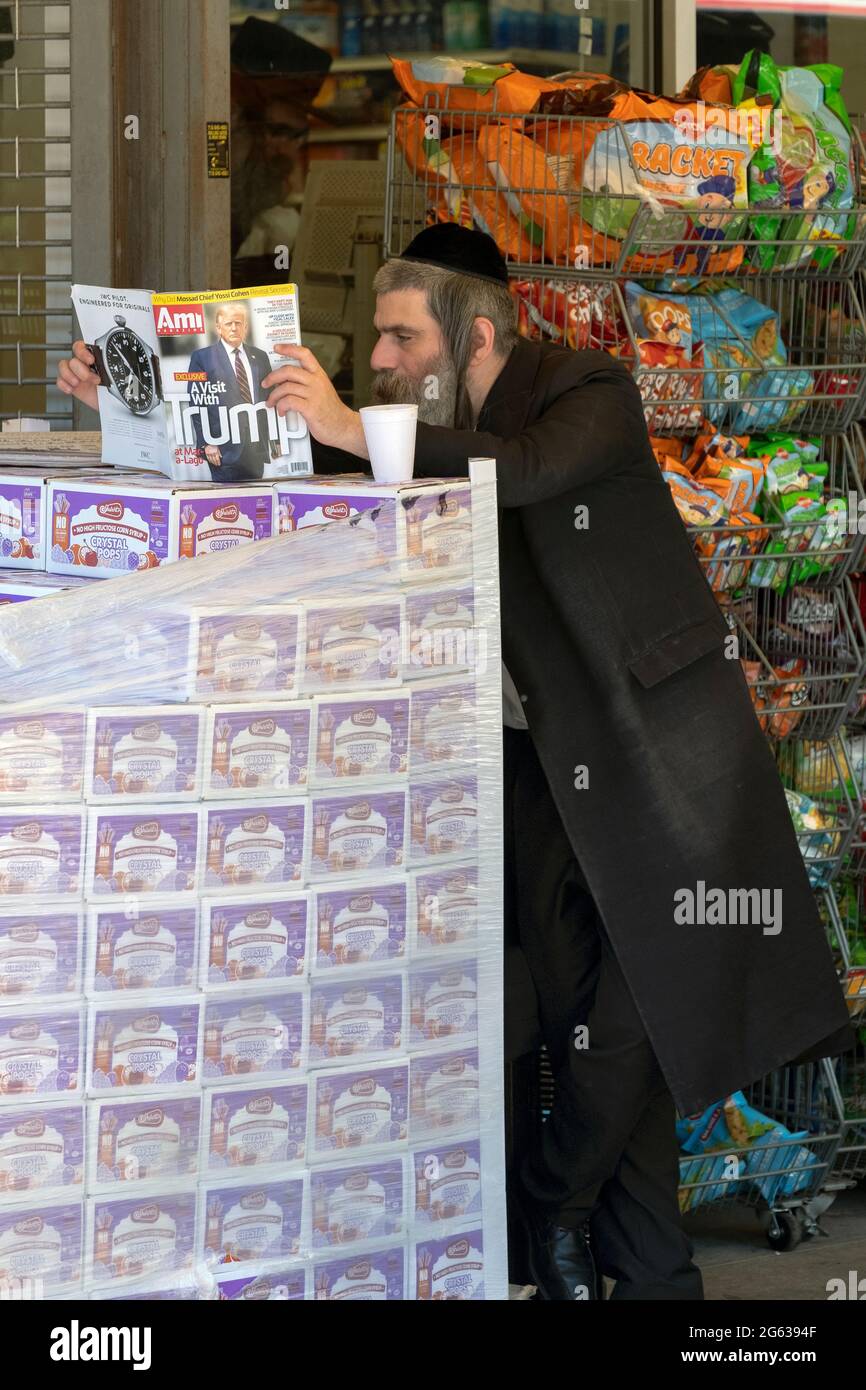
(239, 371)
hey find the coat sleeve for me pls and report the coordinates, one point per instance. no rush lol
(587, 429)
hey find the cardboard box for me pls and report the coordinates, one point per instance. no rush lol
(41, 854)
(255, 1035)
(135, 947)
(361, 924)
(424, 525)
(259, 1126)
(350, 647)
(263, 845)
(139, 753)
(154, 1139)
(41, 1247)
(23, 499)
(104, 529)
(245, 654)
(358, 1109)
(256, 940)
(140, 1234)
(359, 738)
(358, 834)
(41, 1052)
(242, 1220)
(256, 750)
(41, 1152)
(41, 754)
(148, 1044)
(40, 953)
(147, 850)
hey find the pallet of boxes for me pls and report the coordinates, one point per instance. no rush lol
(250, 897)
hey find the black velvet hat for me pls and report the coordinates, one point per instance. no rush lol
(460, 249)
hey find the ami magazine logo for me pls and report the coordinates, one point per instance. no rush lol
(77, 1343)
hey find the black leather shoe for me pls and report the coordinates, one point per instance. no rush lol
(560, 1261)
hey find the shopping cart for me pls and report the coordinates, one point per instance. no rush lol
(566, 193)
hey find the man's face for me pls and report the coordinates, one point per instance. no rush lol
(231, 325)
(411, 359)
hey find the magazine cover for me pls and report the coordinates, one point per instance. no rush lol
(180, 381)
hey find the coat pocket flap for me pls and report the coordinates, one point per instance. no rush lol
(678, 649)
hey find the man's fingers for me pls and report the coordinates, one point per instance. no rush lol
(82, 352)
(299, 374)
(306, 358)
(66, 378)
(288, 390)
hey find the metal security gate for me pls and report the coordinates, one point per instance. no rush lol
(35, 208)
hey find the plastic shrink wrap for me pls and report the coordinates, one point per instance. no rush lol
(250, 917)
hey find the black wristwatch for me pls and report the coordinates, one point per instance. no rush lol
(126, 366)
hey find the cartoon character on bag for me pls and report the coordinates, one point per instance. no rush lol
(709, 224)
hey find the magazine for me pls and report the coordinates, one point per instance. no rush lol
(180, 381)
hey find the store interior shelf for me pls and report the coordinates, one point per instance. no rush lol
(342, 134)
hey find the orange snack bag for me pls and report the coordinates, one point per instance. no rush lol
(430, 164)
(519, 168)
(465, 84)
(491, 210)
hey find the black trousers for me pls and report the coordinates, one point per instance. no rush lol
(608, 1151)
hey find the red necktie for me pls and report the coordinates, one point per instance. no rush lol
(243, 379)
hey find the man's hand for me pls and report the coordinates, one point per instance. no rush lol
(213, 455)
(75, 378)
(308, 389)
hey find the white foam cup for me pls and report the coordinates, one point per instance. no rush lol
(390, 434)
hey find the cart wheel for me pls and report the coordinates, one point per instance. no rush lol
(786, 1230)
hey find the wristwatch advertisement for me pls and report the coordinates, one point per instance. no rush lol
(127, 368)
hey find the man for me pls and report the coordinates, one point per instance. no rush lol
(634, 768)
(237, 372)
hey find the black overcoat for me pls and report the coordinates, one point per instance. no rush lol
(613, 636)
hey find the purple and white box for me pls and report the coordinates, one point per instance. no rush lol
(440, 636)
(252, 1035)
(41, 853)
(364, 924)
(444, 1093)
(23, 511)
(352, 647)
(141, 946)
(40, 954)
(359, 737)
(183, 1289)
(155, 1139)
(41, 1151)
(40, 1052)
(358, 834)
(443, 818)
(41, 1247)
(450, 1267)
(146, 753)
(257, 749)
(443, 725)
(264, 1285)
(249, 847)
(369, 1277)
(358, 1019)
(254, 940)
(245, 654)
(445, 908)
(254, 1126)
(150, 1044)
(242, 1220)
(357, 1110)
(212, 519)
(140, 1235)
(443, 1004)
(447, 1182)
(426, 526)
(364, 1202)
(152, 850)
(41, 755)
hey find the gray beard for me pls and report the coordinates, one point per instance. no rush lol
(435, 393)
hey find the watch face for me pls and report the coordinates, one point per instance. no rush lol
(127, 360)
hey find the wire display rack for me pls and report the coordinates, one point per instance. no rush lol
(575, 193)
(824, 799)
(827, 1096)
(739, 556)
(803, 654)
